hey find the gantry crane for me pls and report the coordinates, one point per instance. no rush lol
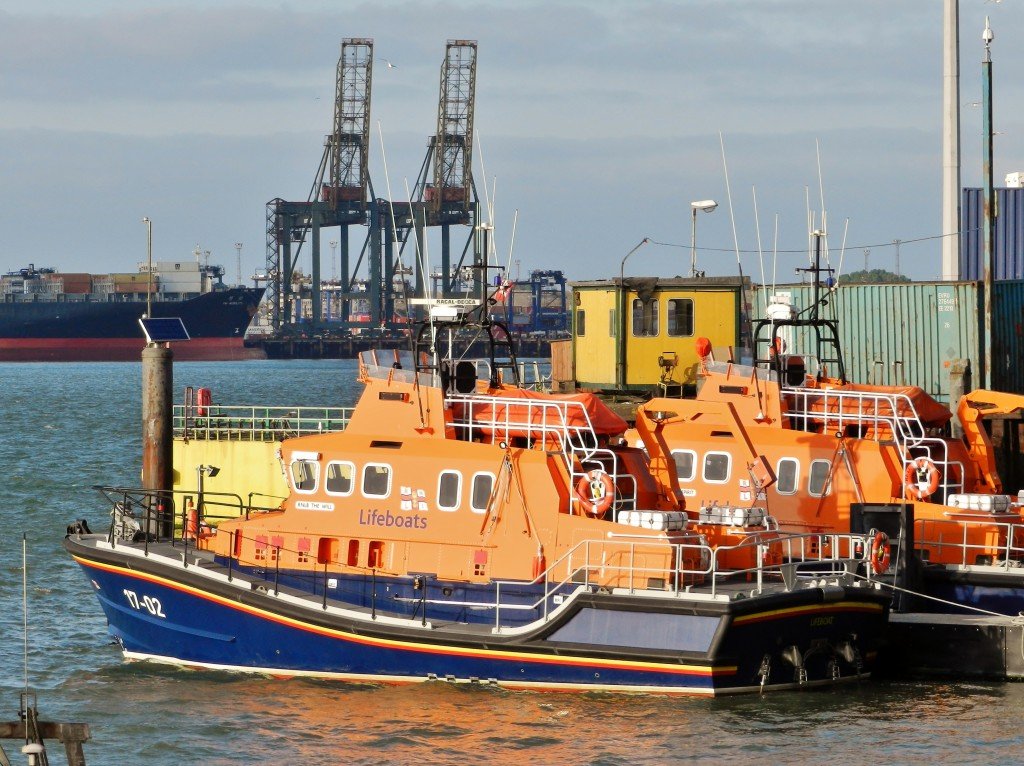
(342, 195)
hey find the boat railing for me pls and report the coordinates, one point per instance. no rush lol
(178, 516)
(217, 422)
(535, 375)
(875, 415)
(980, 541)
(565, 424)
(632, 563)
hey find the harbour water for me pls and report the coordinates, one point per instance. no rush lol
(66, 427)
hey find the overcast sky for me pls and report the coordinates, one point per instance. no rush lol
(598, 121)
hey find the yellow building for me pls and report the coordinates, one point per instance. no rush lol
(640, 333)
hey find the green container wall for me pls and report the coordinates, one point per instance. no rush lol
(897, 334)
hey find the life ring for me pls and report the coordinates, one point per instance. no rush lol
(595, 491)
(914, 478)
(879, 552)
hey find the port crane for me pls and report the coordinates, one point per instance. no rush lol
(342, 195)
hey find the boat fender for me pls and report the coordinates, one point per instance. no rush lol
(540, 565)
(595, 492)
(921, 478)
(204, 398)
(880, 553)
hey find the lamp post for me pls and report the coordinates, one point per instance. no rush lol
(334, 244)
(707, 205)
(988, 210)
(149, 265)
(238, 251)
(620, 341)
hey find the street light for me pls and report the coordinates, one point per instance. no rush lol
(620, 341)
(707, 205)
(334, 273)
(149, 265)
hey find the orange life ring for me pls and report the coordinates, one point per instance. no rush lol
(880, 553)
(914, 478)
(595, 491)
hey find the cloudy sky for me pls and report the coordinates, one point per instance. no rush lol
(598, 122)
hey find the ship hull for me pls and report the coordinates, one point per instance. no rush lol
(87, 330)
(121, 350)
(197, 617)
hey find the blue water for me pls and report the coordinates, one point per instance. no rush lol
(66, 427)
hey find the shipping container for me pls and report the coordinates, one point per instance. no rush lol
(1008, 253)
(913, 333)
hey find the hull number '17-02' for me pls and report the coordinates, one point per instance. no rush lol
(147, 603)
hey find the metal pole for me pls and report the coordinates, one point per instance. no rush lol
(989, 211)
(693, 241)
(951, 140)
(157, 463)
(149, 265)
(620, 341)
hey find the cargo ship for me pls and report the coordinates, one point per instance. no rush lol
(47, 315)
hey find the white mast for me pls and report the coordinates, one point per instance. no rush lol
(951, 140)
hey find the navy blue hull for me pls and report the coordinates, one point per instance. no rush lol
(601, 642)
(221, 314)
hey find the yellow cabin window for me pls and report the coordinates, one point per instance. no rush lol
(645, 318)
(680, 317)
(581, 323)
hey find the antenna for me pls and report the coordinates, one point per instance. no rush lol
(757, 228)
(735, 239)
(775, 251)
(24, 606)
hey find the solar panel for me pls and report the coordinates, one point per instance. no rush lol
(164, 329)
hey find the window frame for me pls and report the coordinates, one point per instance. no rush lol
(693, 464)
(704, 467)
(669, 318)
(362, 480)
(472, 490)
(458, 490)
(826, 487)
(316, 474)
(352, 478)
(581, 323)
(651, 329)
(796, 475)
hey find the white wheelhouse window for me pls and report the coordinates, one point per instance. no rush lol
(376, 480)
(717, 467)
(339, 479)
(449, 490)
(480, 497)
(787, 476)
(305, 473)
(686, 464)
(818, 483)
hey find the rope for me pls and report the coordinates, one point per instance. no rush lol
(1017, 620)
